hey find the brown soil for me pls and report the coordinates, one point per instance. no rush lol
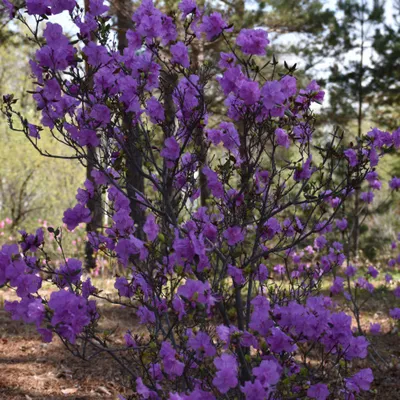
(31, 369)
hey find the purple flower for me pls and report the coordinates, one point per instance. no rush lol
(372, 271)
(187, 7)
(279, 341)
(253, 41)
(272, 94)
(96, 54)
(320, 242)
(227, 60)
(304, 172)
(145, 315)
(394, 183)
(123, 286)
(28, 310)
(213, 25)
(260, 320)
(196, 291)
(151, 228)
(272, 227)
(38, 7)
(351, 156)
(101, 114)
(337, 286)
(172, 366)
(11, 9)
(341, 224)
(367, 197)
(357, 348)
(71, 313)
(350, 271)
(288, 86)
(58, 6)
(226, 376)
(262, 274)
(282, 138)
(171, 149)
(236, 274)
(268, 373)
(97, 7)
(143, 390)
(155, 110)
(360, 381)
(318, 392)
(395, 313)
(248, 91)
(180, 54)
(374, 328)
(201, 342)
(74, 216)
(70, 273)
(254, 391)
(233, 235)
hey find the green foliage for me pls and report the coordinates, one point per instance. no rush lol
(24, 194)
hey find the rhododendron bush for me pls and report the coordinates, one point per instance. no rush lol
(242, 212)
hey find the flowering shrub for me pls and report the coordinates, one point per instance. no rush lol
(225, 272)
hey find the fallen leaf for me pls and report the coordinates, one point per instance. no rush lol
(69, 391)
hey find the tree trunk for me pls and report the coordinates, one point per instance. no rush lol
(95, 204)
(134, 179)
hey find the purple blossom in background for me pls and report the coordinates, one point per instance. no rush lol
(395, 313)
(171, 149)
(337, 286)
(155, 110)
(145, 315)
(341, 224)
(367, 197)
(394, 183)
(350, 270)
(213, 25)
(318, 392)
(151, 228)
(282, 138)
(236, 274)
(373, 271)
(180, 54)
(352, 157)
(272, 227)
(253, 41)
(187, 7)
(201, 343)
(234, 235)
(304, 172)
(374, 328)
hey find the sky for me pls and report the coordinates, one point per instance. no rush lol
(70, 28)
